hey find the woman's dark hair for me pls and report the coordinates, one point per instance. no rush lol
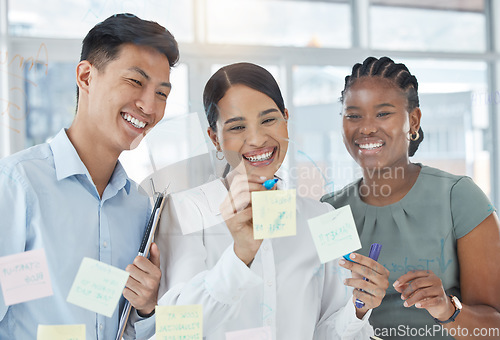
(251, 75)
(399, 75)
(103, 42)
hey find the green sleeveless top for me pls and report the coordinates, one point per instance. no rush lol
(419, 232)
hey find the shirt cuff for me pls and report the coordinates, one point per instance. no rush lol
(352, 310)
(230, 278)
(144, 327)
(354, 325)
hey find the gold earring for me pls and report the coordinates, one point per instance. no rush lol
(217, 155)
(414, 137)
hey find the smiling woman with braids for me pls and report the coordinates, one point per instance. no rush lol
(440, 233)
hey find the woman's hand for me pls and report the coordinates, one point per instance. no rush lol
(424, 289)
(374, 289)
(236, 210)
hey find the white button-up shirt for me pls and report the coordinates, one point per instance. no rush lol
(286, 286)
(48, 200)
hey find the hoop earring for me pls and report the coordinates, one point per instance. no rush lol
(217, 155)
(415, 137)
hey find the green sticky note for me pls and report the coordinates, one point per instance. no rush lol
(179, 322)
(60, 332)
(273, 213)
(334, 234)
(97, 287)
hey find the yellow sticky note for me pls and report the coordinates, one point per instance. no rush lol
(274, 213)
(97, 287)
(179, 322)
(61, 332)
(334, 234)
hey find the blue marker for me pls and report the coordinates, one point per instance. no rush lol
(374, 253)
(269, 184)
(348, 258)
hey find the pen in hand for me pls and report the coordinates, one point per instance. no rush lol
(374, 254)
(269, 184)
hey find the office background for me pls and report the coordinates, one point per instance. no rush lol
(452, 46)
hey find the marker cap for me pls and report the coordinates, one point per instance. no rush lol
(375, 251)
(269, 184)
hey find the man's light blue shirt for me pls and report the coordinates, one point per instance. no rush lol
(48, 200)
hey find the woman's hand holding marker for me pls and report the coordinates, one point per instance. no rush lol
(369, 278)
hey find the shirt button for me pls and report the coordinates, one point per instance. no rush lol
(235, 298)
(269, 322)
(269, 283)
(101, 326)
(105, 244)
(266, 248)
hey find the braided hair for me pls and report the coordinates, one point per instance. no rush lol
(399, 75)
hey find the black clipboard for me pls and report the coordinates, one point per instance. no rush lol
(143, 251)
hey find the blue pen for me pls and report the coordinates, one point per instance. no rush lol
(374, 253)
(269, 184)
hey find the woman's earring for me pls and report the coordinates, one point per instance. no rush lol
(217, 155)
(414, 137)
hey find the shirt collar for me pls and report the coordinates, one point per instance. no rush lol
(119, 179)
(67, 163)
(66, 160)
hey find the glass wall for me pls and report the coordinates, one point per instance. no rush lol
(279, 23)
(309, 46)
(428, 26)
(74, 18)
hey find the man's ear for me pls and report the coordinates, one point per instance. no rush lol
(83, 75)
(286, 115)
(213, 136)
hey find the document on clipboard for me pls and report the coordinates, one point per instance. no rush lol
(143, 251)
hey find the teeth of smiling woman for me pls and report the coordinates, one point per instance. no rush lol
(134, 121)
(370, 146)
(260, 158)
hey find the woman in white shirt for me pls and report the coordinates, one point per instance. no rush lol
(244, 283)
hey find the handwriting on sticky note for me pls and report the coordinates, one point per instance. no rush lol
(97, 287)
(61, 332)
(262, 333)
(334, 234)
(274, 213)
(179, 322)
(24, 277)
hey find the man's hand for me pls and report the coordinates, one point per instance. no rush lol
(142, 285)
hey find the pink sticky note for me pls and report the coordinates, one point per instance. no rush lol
(25, 277)
(263, 333)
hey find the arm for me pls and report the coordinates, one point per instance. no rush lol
(16, 218)
(479, 259)
(338, 319)
(186, 277)
(237, 212)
